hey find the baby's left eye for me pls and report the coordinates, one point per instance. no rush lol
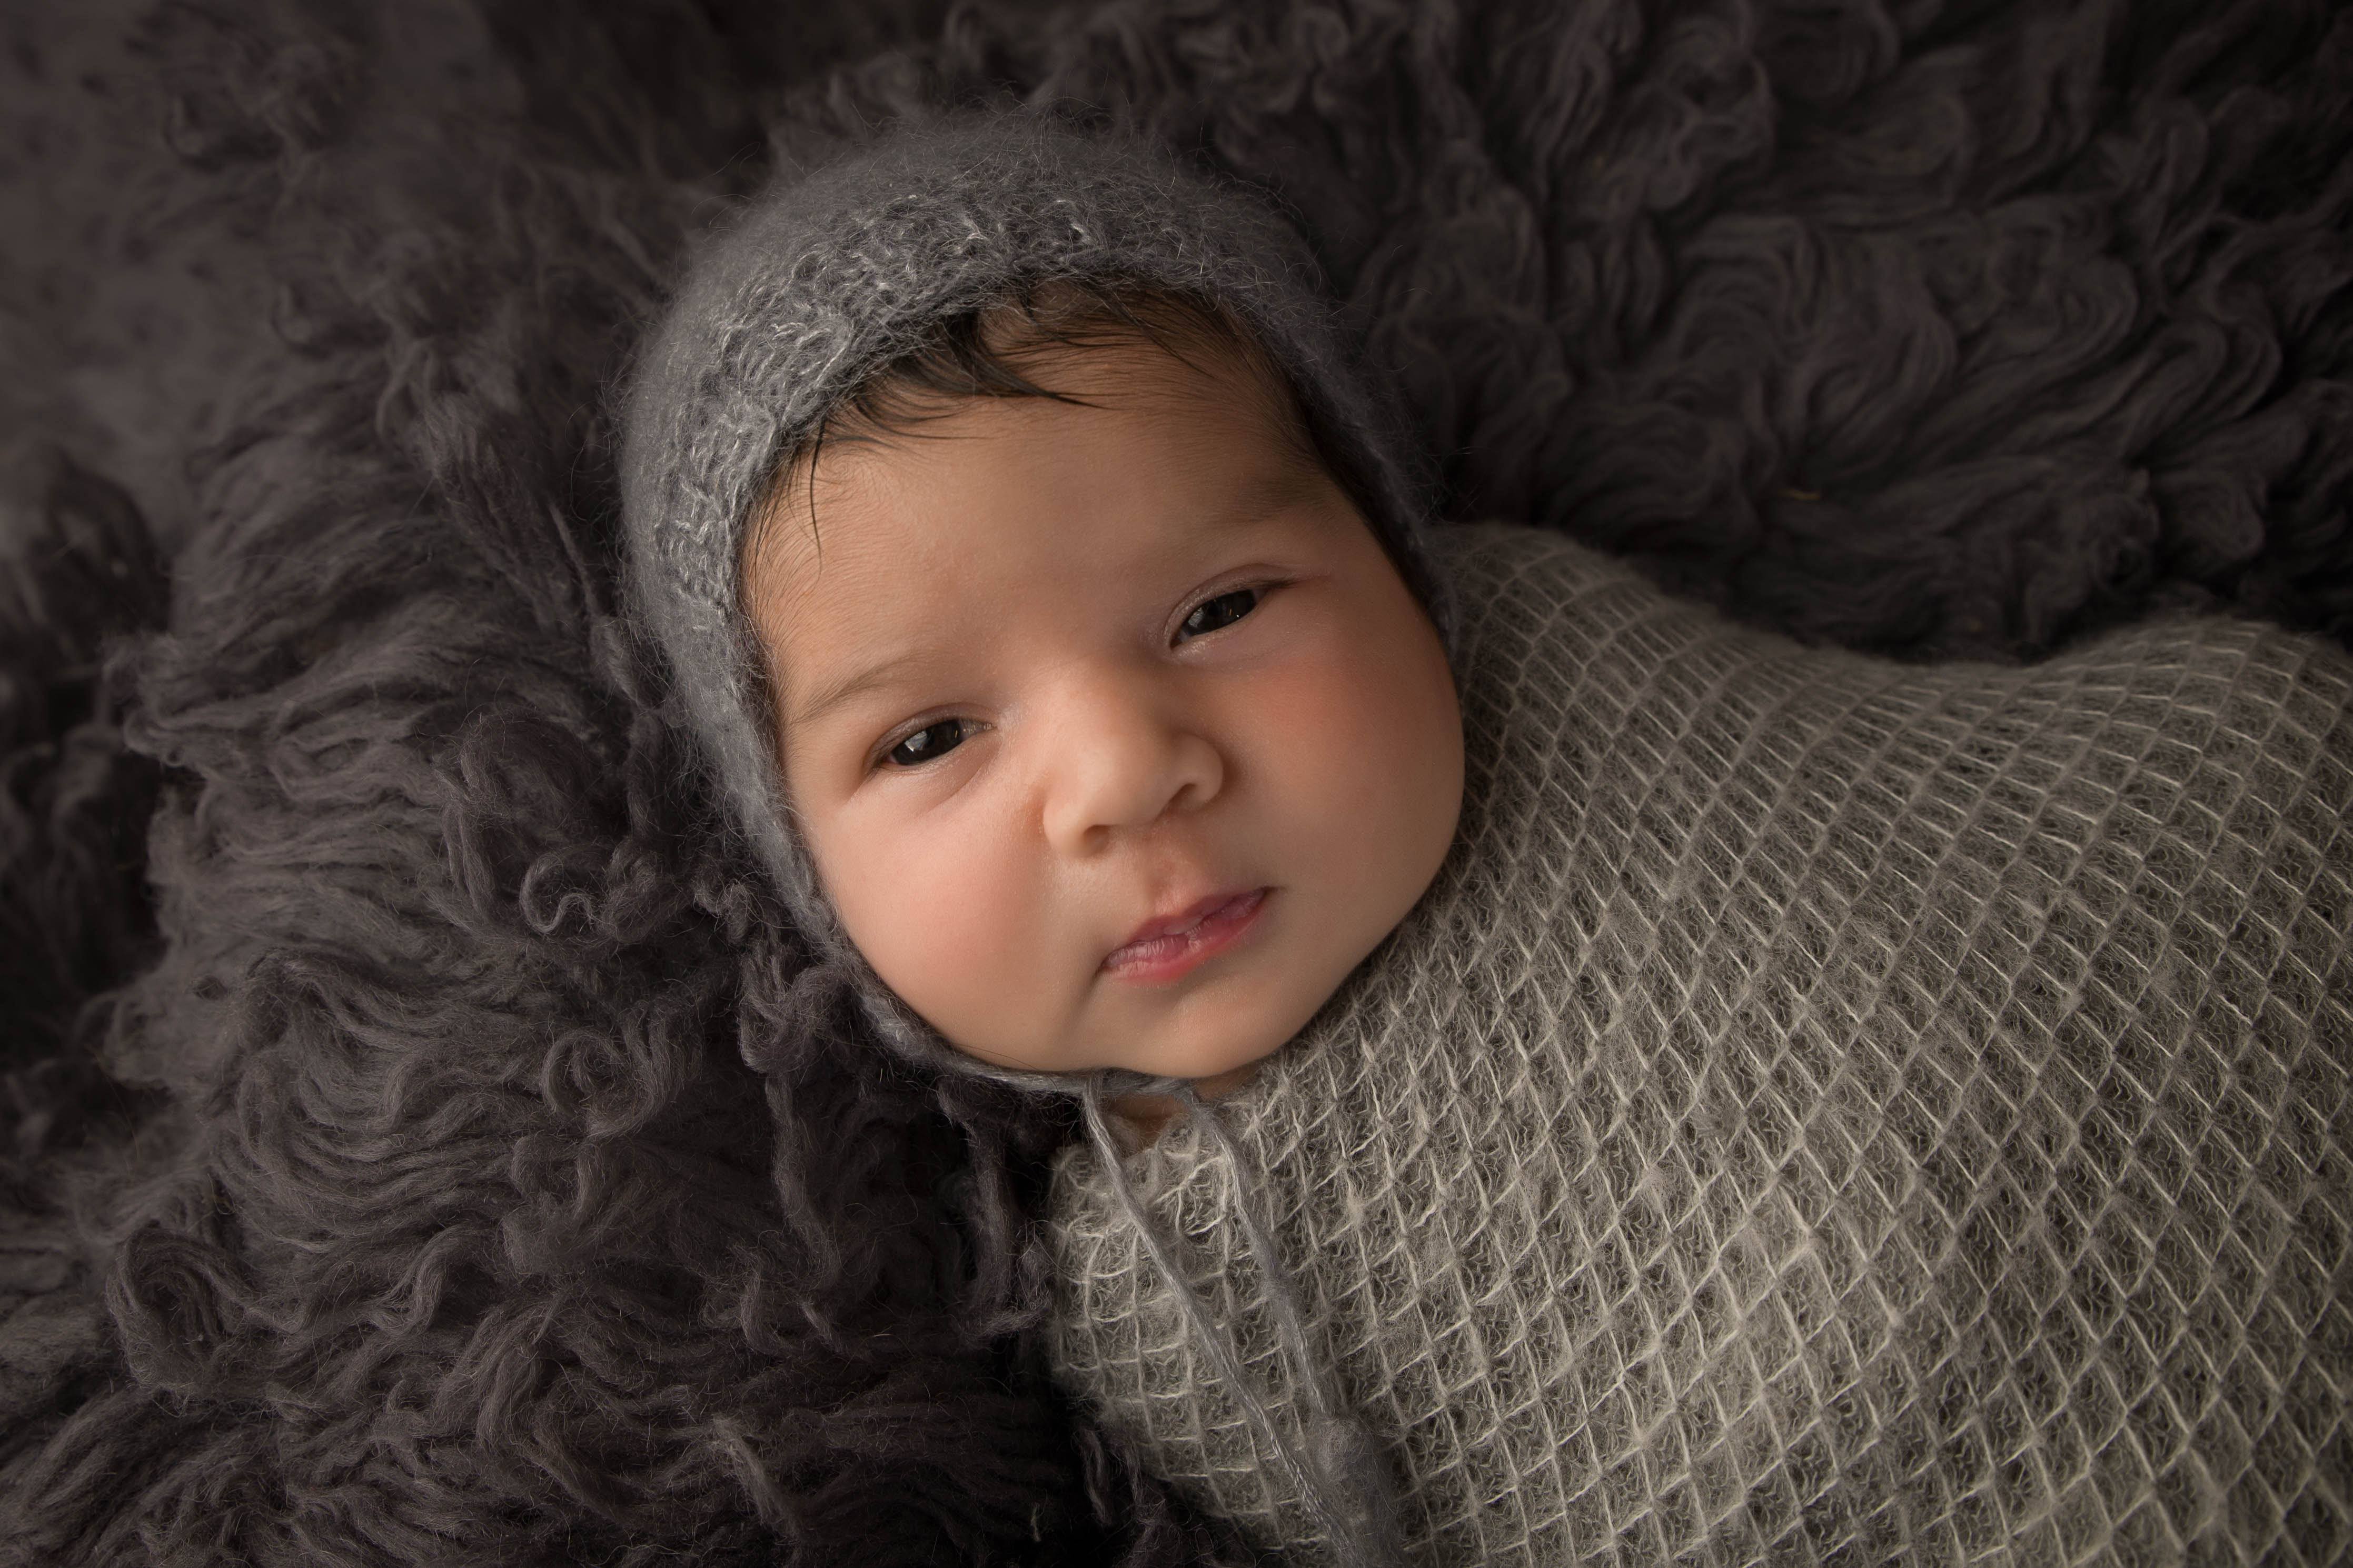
(1210, 614)
(934, 740)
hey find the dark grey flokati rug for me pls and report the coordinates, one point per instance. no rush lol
(422, 1208)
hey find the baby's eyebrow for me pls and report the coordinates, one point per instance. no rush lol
(1266, 494)
(843, 688)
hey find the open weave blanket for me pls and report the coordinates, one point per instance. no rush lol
(1826, 1110)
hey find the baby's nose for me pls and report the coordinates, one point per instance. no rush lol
(1123, 755)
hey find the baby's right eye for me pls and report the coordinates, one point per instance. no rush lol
(1216, 615)
(934, 740)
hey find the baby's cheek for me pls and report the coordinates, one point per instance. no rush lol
(1364, 755)
(949, 927)
(1331, 739)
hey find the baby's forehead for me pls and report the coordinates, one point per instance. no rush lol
(909, 418)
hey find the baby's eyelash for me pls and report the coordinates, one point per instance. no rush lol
(927, 742)
(1220, 610)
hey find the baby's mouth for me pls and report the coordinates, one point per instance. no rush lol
(1165, 949)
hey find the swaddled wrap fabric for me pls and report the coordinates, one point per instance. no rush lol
(1825, 1110)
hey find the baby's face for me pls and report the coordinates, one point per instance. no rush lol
(1115, 737)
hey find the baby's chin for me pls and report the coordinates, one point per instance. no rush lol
(1215, 1036)
(1234, 1058)
(1225, 1030)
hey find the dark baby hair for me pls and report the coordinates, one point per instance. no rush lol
(995, 350)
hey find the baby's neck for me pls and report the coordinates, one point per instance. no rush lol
(1140, 1118)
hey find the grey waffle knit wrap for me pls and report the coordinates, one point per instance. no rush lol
(1825, 1111)
(831, 275)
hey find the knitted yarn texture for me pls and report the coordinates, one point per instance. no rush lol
(1826, 1109)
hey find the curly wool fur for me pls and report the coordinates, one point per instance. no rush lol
(467, 1237)
(76, 569)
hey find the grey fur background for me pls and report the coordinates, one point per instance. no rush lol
(427, 1211)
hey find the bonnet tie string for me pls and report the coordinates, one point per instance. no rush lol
(1340, 1474)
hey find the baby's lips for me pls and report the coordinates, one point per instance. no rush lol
(1184, 918)
(1169, 945)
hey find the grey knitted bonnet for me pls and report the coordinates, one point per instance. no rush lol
(827, 279)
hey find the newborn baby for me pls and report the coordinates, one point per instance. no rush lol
(1697, 1097)
(1049, 602)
